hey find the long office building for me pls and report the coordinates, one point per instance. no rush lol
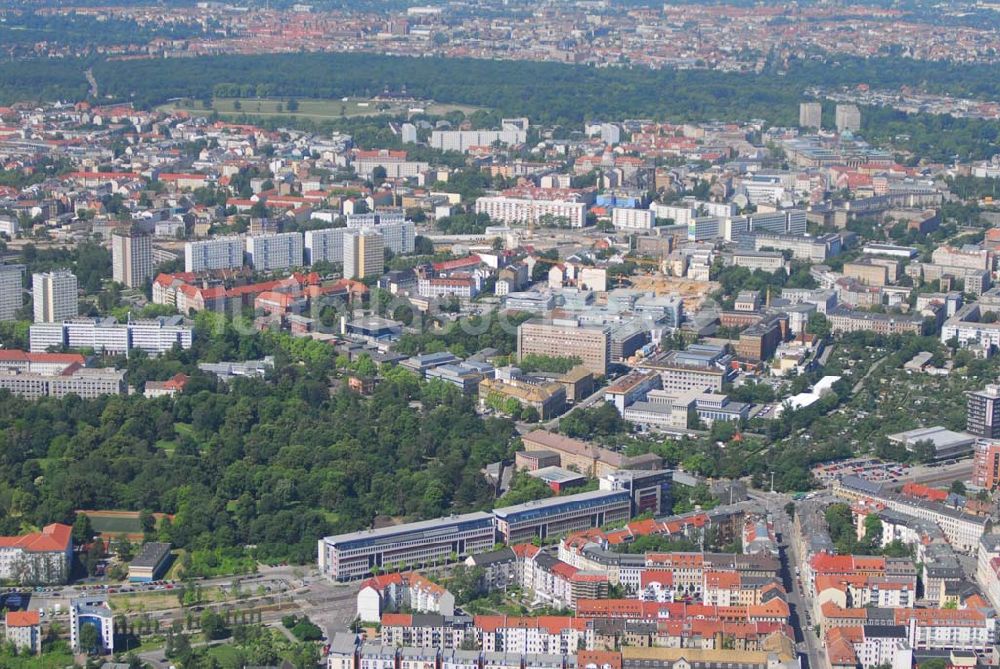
(814, 249)
(525, 211)
(132, 258)
(566, 338)
(54, 296)
(700, 367)
(463, 140)
(11, 293)
(325, 245)
(551, 517)
(348, 557)
(107, 336)
(280, 250)
(35, 375)
(213, 254)
(848, 320)
(632, 219)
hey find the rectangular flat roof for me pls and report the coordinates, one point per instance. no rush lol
(553, 502)
(152, 554)
(427, 527)
(556, 475)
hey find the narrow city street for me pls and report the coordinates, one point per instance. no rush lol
(807, 642)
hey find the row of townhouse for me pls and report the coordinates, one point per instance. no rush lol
(547, 578)
(942, 574)
(968, 629)
(696, 633)
(869, 646)
(501, 634)
(774, 610)
(691, 575)
(559, 634)
(963, 530)
(348, 652)
(851, 580)
(776, 651)
(392, 592)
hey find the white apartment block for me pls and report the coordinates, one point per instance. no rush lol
(791, 222)
(132, 259)
(683, 212)
(11, 294)
(9, 226)
(89, 383)
(463, 140)
(632, 219)
(522, 211)
(212, 254)
(54, 296)
(399, 238)
(39, 557)
(394, 169)
(704, 228)
(155, 336)
(515, 638)
(763, 192)
(441, 287)
(23, 629)
(56, 375)
(373, 219)
(159, 335)
(275, 251)
(940, 629)
(679, 214)
(324, 245)
(847, 118)
(398, 234)
(988, 567)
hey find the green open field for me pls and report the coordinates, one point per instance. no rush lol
(315, 109)
(115, 522)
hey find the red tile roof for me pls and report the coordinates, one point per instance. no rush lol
(52, 538)
(22, 618)
(14, 355)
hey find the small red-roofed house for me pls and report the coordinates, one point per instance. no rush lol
(167, 388)
(23, 629)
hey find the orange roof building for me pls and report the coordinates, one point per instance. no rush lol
(40, 556)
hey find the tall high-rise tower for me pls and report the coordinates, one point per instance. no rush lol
(132, 258)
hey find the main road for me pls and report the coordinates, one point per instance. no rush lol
(800, 616)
